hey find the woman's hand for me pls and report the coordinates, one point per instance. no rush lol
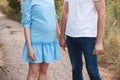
(31, 54)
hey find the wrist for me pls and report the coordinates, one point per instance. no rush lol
(99, 41)
(62, 34)
(29, 47)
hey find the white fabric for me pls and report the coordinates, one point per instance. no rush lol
(82, 18)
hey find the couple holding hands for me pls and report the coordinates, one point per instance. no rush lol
(81, 31)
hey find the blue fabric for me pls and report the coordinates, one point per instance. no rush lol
(77, 46)
(40, 17)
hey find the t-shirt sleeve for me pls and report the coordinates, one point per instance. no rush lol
(96, 0)
(66, 0)
(26, 13)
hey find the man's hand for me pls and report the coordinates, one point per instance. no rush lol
(98, 48)
(62, 42)
(100, 8)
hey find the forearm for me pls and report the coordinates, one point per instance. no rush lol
(100, 7)
(63, 24)
(64, 19)
(57, 30)
(27, 37)
(100, 28)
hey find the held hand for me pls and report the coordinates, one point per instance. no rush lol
(98, 48)
(62, 42)
(31, 54)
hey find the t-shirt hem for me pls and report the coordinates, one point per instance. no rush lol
(81, 35)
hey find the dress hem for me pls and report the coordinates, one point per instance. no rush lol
(41, 61)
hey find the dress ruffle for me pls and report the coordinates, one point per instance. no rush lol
(44, 51)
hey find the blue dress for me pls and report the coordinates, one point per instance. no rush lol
(40, 17)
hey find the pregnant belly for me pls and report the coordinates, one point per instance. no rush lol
(42, 32)
(43, 19)
(42, 27)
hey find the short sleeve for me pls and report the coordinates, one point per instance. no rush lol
(96, 0)
(26, 13)
(66, 0)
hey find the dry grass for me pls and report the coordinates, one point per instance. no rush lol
(1, 45)
(3, 4)
(111, 59)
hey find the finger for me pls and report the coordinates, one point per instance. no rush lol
(64, 49)
(94, 51)
(34, 57)
(60, 44)
(65, 45)
(31, 57)
(101, 51)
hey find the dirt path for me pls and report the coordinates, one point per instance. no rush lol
(12, 39)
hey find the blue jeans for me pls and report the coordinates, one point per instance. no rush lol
(77, 46)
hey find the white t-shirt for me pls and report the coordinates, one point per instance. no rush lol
(82, 18)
